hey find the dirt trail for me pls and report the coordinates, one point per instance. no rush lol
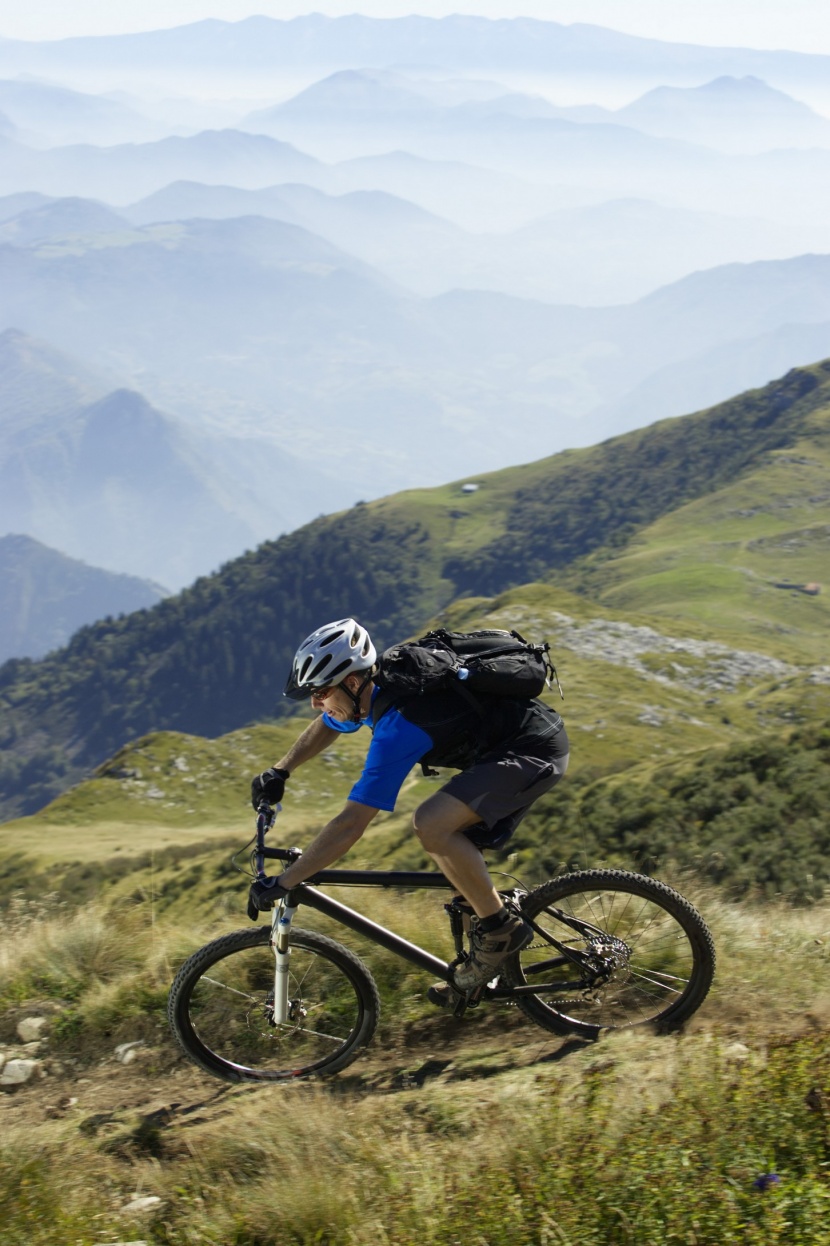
(160, 1093)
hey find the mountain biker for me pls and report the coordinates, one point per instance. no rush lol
(515, 753)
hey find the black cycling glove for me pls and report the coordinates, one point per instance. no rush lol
(269, 786)
(263, 895)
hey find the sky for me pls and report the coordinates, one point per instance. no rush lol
(800, 25)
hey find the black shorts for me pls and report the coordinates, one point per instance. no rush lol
(502, 787)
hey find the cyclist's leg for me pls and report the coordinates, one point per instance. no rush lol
(479, 808)
(439, 824)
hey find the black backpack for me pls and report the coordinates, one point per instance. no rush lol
(477, 665)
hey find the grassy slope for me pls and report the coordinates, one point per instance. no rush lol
(207, 661)
(487, 1130)
(717, 559)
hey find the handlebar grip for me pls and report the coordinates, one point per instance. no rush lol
(282, 854)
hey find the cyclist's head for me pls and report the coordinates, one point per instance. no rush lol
(327, 656)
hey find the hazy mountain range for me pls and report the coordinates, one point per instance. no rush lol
(256, 327)
(47, 597)
(130, 170)
(730, 114)
(107, 478)
(610, 252)
(386, 253)
(255, 47)
(44, 113)
(358, 107)
(589, 160)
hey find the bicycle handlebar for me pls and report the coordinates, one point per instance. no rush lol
(266, 816)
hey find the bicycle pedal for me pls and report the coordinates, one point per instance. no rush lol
(460, 1007)
(474, 997)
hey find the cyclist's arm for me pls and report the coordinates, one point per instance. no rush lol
(333, 841)
(316, 737)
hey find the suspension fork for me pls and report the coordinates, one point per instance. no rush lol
(281, 918)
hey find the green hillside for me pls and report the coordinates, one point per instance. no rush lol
(212, 659)
(687, 754)
(739, 557)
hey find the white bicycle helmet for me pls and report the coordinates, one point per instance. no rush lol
(327, 656)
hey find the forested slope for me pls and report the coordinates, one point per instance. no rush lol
(751, 818)
(213, 657)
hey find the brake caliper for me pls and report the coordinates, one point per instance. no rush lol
(608, 959)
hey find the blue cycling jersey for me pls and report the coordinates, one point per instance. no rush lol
(396, 746)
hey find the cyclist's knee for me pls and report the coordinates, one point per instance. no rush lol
(428, 829)
(437, 819)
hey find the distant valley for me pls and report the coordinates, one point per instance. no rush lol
(107, 478)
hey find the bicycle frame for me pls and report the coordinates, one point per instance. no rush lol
(251, 1004)
(410, 880)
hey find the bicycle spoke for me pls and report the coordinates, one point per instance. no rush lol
(330, 1038)
(665, 986)
(656, 974)
(225, 987)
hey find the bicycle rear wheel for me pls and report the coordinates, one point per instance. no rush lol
(220, 1008)
(650, 956)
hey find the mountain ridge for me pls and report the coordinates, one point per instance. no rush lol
(102, 473)
(303, 325)
(599, 254)
(728, 113)
(210, 659)
(400, 29)
(47, 596)
(229, 54)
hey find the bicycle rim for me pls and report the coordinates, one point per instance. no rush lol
(221, 1008)
(655, 953)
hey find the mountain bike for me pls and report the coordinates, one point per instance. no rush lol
(612, 950)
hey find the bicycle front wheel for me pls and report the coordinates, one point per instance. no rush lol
(221, 1008)
(634, 952)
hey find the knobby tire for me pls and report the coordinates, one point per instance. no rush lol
(218, 1008)
(664, 950)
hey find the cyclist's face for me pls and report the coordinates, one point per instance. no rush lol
(334, 701)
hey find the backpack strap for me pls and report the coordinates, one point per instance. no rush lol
(382, 702)
(470, 697)
(385, 700)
